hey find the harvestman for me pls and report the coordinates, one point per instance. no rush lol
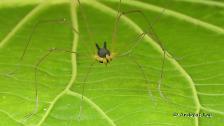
(103, 54)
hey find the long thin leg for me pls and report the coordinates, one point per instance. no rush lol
(147, 81)
(115, 26)
(137, 40)
(60, 21)
(160, 82)
(83, 87)
(85, 20)
(150, 32)
(89, 32)
(50, 51)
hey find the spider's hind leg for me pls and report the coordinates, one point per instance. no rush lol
(145, 76)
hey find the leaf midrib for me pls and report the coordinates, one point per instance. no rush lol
(74, 72)
(73, 62)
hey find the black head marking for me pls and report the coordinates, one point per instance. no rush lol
(105, 45)
(102, 52)
(98, 47)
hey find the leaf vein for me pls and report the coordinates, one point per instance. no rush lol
(97, 108)
(10, 116)
(22, 22)
(73, 61)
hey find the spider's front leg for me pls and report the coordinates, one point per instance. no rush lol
(44, 57)
(39, 62)
(35, 26)
(149, 32)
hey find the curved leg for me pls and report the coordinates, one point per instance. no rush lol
(89, 32)
(50, 51)
(147, 81)
(150, 32)
(83, 87)
(35, 26)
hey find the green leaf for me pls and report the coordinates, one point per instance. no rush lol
(116, 94)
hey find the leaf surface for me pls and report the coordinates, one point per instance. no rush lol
(116, 94)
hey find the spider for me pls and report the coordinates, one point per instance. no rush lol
(103, 53)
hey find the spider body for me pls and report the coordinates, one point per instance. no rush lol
(103, 54)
